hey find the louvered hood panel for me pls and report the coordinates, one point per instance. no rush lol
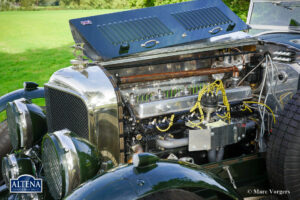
(120, 34)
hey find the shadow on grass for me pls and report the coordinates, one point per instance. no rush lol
(32, 65)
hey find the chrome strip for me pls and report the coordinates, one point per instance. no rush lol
(274, 0)
(250, 11)
(12, 160)
(273, 27)
(24, 121)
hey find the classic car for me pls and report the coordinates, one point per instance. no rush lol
(182, 101)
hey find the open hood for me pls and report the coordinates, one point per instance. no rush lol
(125, 33)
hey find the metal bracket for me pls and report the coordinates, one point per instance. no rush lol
(226, 168)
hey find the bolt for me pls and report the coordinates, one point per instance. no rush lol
(140, 182)
(66, 150)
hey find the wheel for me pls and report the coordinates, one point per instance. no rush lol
(173, 194)
(283, 151)
(5, 145)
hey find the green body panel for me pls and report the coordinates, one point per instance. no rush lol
(129, 182)
(26, 165)
(89, 158)
(249, 172)
(38, 120)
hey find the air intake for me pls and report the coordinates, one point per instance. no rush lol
(201, 18)
(134, 30)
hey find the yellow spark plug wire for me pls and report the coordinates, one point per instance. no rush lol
(254, 102)
(170, 125)
(283, 96)
(246, 108)
(220, 86)
(213, 87)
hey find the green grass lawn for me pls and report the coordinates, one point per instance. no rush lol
(27, 30)
(34, 44)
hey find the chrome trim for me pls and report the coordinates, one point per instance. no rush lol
(14, 168)
(274, 0)
(96, 89)
(271, 32)
(70, 160)
(25, 123)
(250, 11)
(273, 27)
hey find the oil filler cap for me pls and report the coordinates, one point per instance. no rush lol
(144, 159)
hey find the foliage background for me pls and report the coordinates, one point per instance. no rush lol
(238, 6)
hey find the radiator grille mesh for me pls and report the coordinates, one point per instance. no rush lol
(201, 18)
(52, 169)
(65, 110)
(134, 30)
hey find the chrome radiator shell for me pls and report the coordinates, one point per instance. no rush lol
(97, 90)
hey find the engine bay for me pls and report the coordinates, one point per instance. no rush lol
(204, 107)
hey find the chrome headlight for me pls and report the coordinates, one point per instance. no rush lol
(14, 165)
(68, 161)
(26, 123)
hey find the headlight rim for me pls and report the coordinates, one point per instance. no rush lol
(65, 152)
(54, 143)
(15, 165)
(23, 123)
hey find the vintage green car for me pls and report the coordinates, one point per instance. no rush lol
(182, 101)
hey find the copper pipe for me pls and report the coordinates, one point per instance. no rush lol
(170, 75)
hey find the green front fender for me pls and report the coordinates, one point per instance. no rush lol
(129, 182)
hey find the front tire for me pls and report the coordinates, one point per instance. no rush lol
(283, 151)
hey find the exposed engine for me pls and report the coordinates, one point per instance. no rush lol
(201, 107)
(187, 110)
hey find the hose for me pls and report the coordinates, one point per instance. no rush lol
(172, 143)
